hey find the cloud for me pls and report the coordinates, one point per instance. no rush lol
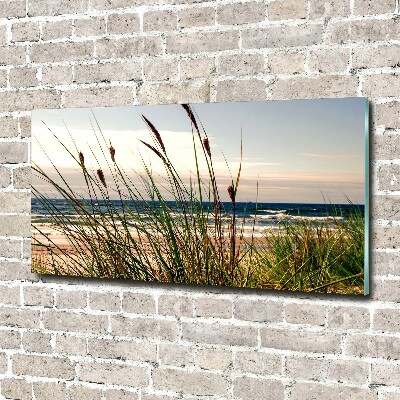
(331, 157)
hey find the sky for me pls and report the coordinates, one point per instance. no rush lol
(295, 151)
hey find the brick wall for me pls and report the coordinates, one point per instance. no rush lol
(92, 339)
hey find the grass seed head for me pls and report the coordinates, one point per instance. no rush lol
(81, 159)
(100, 174)
(207, 146)
(191, 116)
(231, 193)
(155, 132)
(112, 152)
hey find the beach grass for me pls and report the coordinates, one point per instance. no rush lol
(320, 256)
(190, 242)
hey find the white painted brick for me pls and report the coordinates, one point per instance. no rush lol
(388, 114)
(12, 55)
(311, 87)
(36, 342)
(386, 320)
(25, 31)
(63, 321)
(202, 42)
(175, 306)
(28, 100)
(329, 8)
(5, 177)
(314, 391)
(348, 317)
(376, 56)
(56, 7)
(10, 339)
(190, 17)
(386, 263)
(50, 367)
(15, 202)
(119, 24)
(282, 36)
(115, 374)
(107, 72)
(213, 308)
(17, 271)
(305, 314)
(390, 396)
(214, 359)
(138, 303)
(387, 290)
(71, 345)
(9, 295)
(351, 372)
(104, 301)
(313, 369)
(22, 178)
(25, 126)
(12, 8)
(258, 311)
(258, 363)
(241, 90)
(296, 340)
(23, 77)
(55, 52)
(241, 64)
(219, 334)
(38, 296)
(16, 389)
(287, 9)
(158, 69)
(385, 374)
(119, 4)
(362, 31)
(192, 383)
(94, 26)
(386, 237)
(380, 346)
(123, 349)
(175, 355)
(382, 85)
(366, 7)
(3, 363)
(258, 389)
(57, 30)
(329, 61)
(144, 328)
(121, 394)
(10, 248)
(197, 67)
(15, 225)
(98, 97)
(53, 75)
(192, 91)
(159, 21)
(8, 127)
(82, 392)
(241, 13)
(385, 207)
(287, 62)
(128, 47)
(3, 34)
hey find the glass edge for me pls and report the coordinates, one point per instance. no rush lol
(366, 208)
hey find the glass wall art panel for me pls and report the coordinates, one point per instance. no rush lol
(265, 195)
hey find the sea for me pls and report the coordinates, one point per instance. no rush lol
(248, 215)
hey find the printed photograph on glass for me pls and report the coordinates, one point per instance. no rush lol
(266, 195)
